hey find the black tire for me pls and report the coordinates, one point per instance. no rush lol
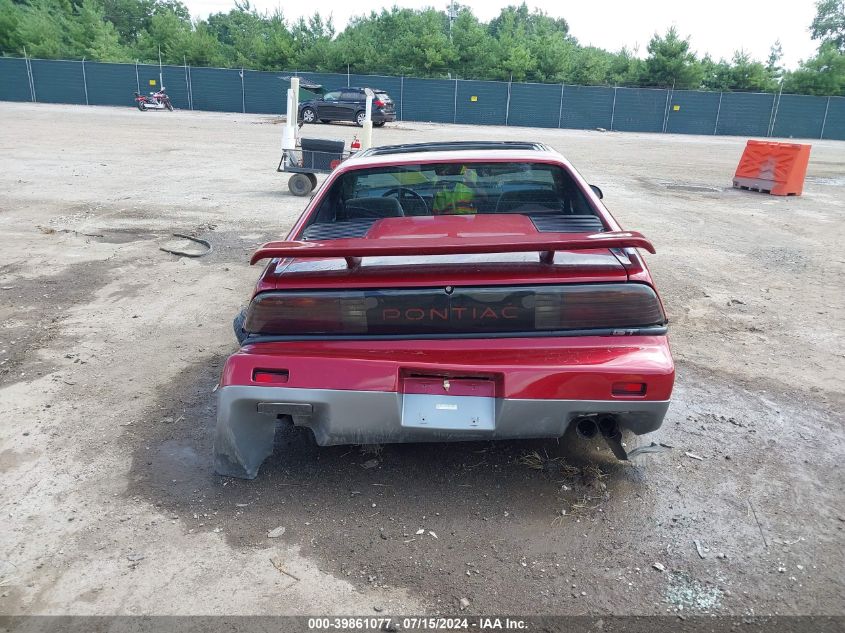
(238, 325)
(300, 184)
(359, 118)
(313, 179)
(379, 123)
(325, 120)
(169, 106)
(308, 115)
(141, 106)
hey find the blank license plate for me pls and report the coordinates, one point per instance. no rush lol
(452, 413)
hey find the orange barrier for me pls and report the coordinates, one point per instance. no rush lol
(775, 168)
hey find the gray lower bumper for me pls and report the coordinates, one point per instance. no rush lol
(246, 420)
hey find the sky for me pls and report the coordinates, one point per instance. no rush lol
(717, 27)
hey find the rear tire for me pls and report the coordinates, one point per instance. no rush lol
(300, 184)
(238, 326)
(308, 115)
(141, 106)
(379, 123)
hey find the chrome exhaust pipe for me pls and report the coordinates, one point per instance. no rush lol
(586, 428)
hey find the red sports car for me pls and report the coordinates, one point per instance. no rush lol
(447, 291)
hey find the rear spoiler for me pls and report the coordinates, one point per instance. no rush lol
(352, 249)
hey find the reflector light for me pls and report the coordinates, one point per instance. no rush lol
(270, 376)
(628, 389)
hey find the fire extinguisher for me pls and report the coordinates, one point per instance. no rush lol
(355, 145)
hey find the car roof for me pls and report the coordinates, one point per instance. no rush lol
(454, 151)
(441, 146)
(341, 88)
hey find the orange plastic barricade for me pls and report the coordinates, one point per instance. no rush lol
(775, 168)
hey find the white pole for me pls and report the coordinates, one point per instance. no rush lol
(824, 120)
(187, 83)
(85, 82)
(666, 108)
(367, 134)
(137, 79)
(402, 98)
(777, 107)
(718, 112)
(508, 104)
(32, 81)
(290, 131)
(243, 92)
(160, 71)
(560, 111)
(455, 115)
(613, 108)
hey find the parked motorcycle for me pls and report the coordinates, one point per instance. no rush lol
(155, 101)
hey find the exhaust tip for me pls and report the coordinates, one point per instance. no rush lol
(586, 428)
(608, 426)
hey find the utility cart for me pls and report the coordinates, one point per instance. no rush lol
(313, 156)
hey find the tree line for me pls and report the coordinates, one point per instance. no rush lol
(518, 44)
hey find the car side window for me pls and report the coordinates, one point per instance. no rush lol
(332, 96)
(351, 95)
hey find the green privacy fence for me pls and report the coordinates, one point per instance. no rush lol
(438, 100)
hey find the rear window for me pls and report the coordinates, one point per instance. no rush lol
(383, 96)
(455, 188)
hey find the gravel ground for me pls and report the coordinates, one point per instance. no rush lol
(110, 349)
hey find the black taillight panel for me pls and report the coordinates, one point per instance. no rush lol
(433, 311)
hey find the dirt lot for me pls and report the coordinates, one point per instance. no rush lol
(110, 349)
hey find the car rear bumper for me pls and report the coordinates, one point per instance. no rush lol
(383, 117)
(247, 420)
(360, 392)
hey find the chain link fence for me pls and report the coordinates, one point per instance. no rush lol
(438, 100)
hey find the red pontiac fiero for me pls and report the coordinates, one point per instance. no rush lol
(447, 291)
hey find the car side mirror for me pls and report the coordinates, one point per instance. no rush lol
(597, 191)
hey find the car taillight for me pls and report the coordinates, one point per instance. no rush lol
(378, 103)
(270, 376)
(438, 311)
(612, 306)
(628, 389)
(298, 313)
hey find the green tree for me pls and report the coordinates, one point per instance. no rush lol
(626, 68)
(312, 43)
(774, 60)
(41, 29)
(749, 75)
(472, 45)
(671, 62)
(131, 17)
(823, 74)
(829, 23)
(715, 75)
(591, 67)
(92, 36)
(10, 16)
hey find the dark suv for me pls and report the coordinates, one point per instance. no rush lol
(348, 104)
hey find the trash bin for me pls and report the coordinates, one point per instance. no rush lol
(318, 153)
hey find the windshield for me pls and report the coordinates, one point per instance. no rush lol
(456, 188)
